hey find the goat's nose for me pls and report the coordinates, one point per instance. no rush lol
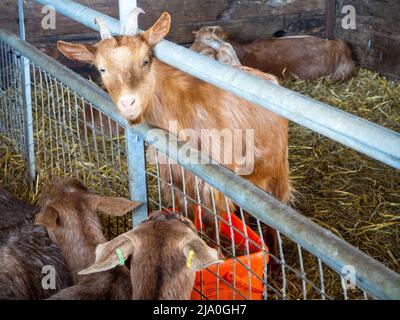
(127, 101)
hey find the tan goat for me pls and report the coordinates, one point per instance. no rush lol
(146, 89)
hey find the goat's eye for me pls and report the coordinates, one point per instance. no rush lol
(102, 70)
(146, 62)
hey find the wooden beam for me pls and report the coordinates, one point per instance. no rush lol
(330, 17)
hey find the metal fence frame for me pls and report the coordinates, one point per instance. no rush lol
(371, 276)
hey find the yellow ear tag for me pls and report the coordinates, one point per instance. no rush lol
(190, 258)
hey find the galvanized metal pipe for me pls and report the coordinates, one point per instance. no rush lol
(371, 276)
(136, 163)
(135, 151)
(27, 102)
(125, 7)
(359, 134)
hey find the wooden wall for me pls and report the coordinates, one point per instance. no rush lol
(247, 20)
(376, 39)
(375, 42)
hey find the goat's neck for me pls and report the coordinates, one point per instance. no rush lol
(79, 249)
(174, 90)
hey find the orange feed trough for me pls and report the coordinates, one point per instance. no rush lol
(234, 282)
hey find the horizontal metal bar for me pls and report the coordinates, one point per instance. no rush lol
(371, 276)
(125, 7)
(359, 134)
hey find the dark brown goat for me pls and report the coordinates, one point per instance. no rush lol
(69, 212)
(165, 254)
(306, 57)
(15, 215)
(22, 260)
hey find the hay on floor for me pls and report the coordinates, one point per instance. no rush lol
(355, 197)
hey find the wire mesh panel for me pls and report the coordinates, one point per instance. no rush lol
(11, 111)
(250, 270)
(73, 138)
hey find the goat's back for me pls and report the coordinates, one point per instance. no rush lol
(15, 215)
(203, 106)
(306, 57)
(22, 258)
(108, 285)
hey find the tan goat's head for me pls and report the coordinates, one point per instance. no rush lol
(125, 62)
(69, 212)
(165, 254)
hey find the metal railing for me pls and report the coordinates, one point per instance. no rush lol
(71, 105)
(77, 132)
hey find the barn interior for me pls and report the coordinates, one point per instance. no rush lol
(355, 197)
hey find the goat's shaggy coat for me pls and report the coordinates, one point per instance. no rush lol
(16, 215)
(22, 258)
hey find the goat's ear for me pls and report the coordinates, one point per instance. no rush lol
(47, 217)
(79, 52)
(112, 253)
(199, 255)
(113, 206)
(159, 30)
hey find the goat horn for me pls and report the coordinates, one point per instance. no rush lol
(132, 25)
(103, 29)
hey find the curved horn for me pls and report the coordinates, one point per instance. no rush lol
(132, 25)
(103, 29)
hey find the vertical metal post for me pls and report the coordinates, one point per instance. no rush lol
(134, 145)
(27, 102)
(136, 174)
(125, 7)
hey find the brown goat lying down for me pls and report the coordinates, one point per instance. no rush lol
(165, 254)
(23, 257)
(69, 212)
(225, 53)
(24, 252)
(306, 57)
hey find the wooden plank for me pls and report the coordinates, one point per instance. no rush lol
(248, 20)
(238, 9)
(241, 29)
(375, 41)
(257, 18)
(307, 23)
(330, 19)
